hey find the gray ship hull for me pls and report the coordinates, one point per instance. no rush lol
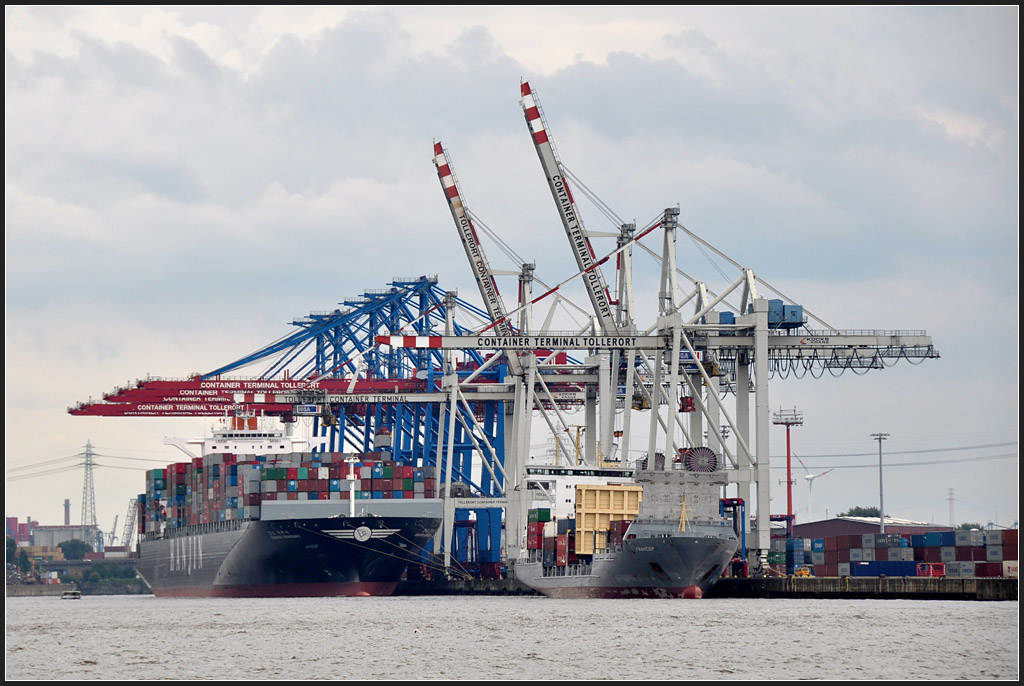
(671, 567)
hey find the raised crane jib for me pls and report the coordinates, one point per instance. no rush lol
(571, 220)
(475, 253)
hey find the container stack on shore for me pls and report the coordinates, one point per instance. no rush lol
(225, 486)
(965, 554)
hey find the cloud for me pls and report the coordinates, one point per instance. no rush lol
(182, 182)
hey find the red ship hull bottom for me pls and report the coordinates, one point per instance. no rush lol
(356, 589)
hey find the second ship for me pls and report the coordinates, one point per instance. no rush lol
(661, 536)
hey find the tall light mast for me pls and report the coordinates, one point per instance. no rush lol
(881, 503)
(789, 418)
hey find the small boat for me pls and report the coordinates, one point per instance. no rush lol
(71, 595)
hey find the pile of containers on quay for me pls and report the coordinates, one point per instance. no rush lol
(961, 554)
(284, 525)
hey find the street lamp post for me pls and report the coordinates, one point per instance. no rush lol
(881, 503)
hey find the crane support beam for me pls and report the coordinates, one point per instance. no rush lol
(829, 341)
(544, 341)
(482, 271)
(597, 289)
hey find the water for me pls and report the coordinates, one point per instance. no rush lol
(501, 637)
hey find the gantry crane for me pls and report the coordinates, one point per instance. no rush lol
(382, 361)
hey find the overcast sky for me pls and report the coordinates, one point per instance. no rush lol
(183, 182)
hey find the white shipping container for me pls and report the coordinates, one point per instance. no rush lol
(1010, 569)
(994, 537)
(994, 553)
(867, 540)
(844, 569)
(868, 555)
(947, 554)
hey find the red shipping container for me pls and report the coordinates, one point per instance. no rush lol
(1009, 551)
(397, 484)
(292, 472)
(1010, 539)
(970, 553)
(928, 554)
(618, 526)
(988, 569)
(881, 554)
(366, 485)
(843, 555)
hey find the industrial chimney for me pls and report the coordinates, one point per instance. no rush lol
(67, 512)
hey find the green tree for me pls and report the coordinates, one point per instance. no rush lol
(967, 526)
(24, 564)
(75, 549)
(12, 550)
(860, 512)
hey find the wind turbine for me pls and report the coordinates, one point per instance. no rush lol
(810, 482)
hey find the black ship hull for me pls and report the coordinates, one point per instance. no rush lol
(335, 556)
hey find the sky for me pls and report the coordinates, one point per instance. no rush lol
(182, 182)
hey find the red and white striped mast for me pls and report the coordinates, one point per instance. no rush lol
(597, 289)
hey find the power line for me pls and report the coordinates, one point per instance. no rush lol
(924, 462)
(928, 450)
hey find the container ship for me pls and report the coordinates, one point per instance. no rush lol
(661, 536)
(254, 515)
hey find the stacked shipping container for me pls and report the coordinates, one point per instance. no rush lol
(225, 487)
(962, 554)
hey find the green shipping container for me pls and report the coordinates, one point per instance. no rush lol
(539, 514)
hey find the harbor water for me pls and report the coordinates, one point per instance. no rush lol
(516, 638)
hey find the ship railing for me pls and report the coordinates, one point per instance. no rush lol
(578, 569)
(195, 529)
